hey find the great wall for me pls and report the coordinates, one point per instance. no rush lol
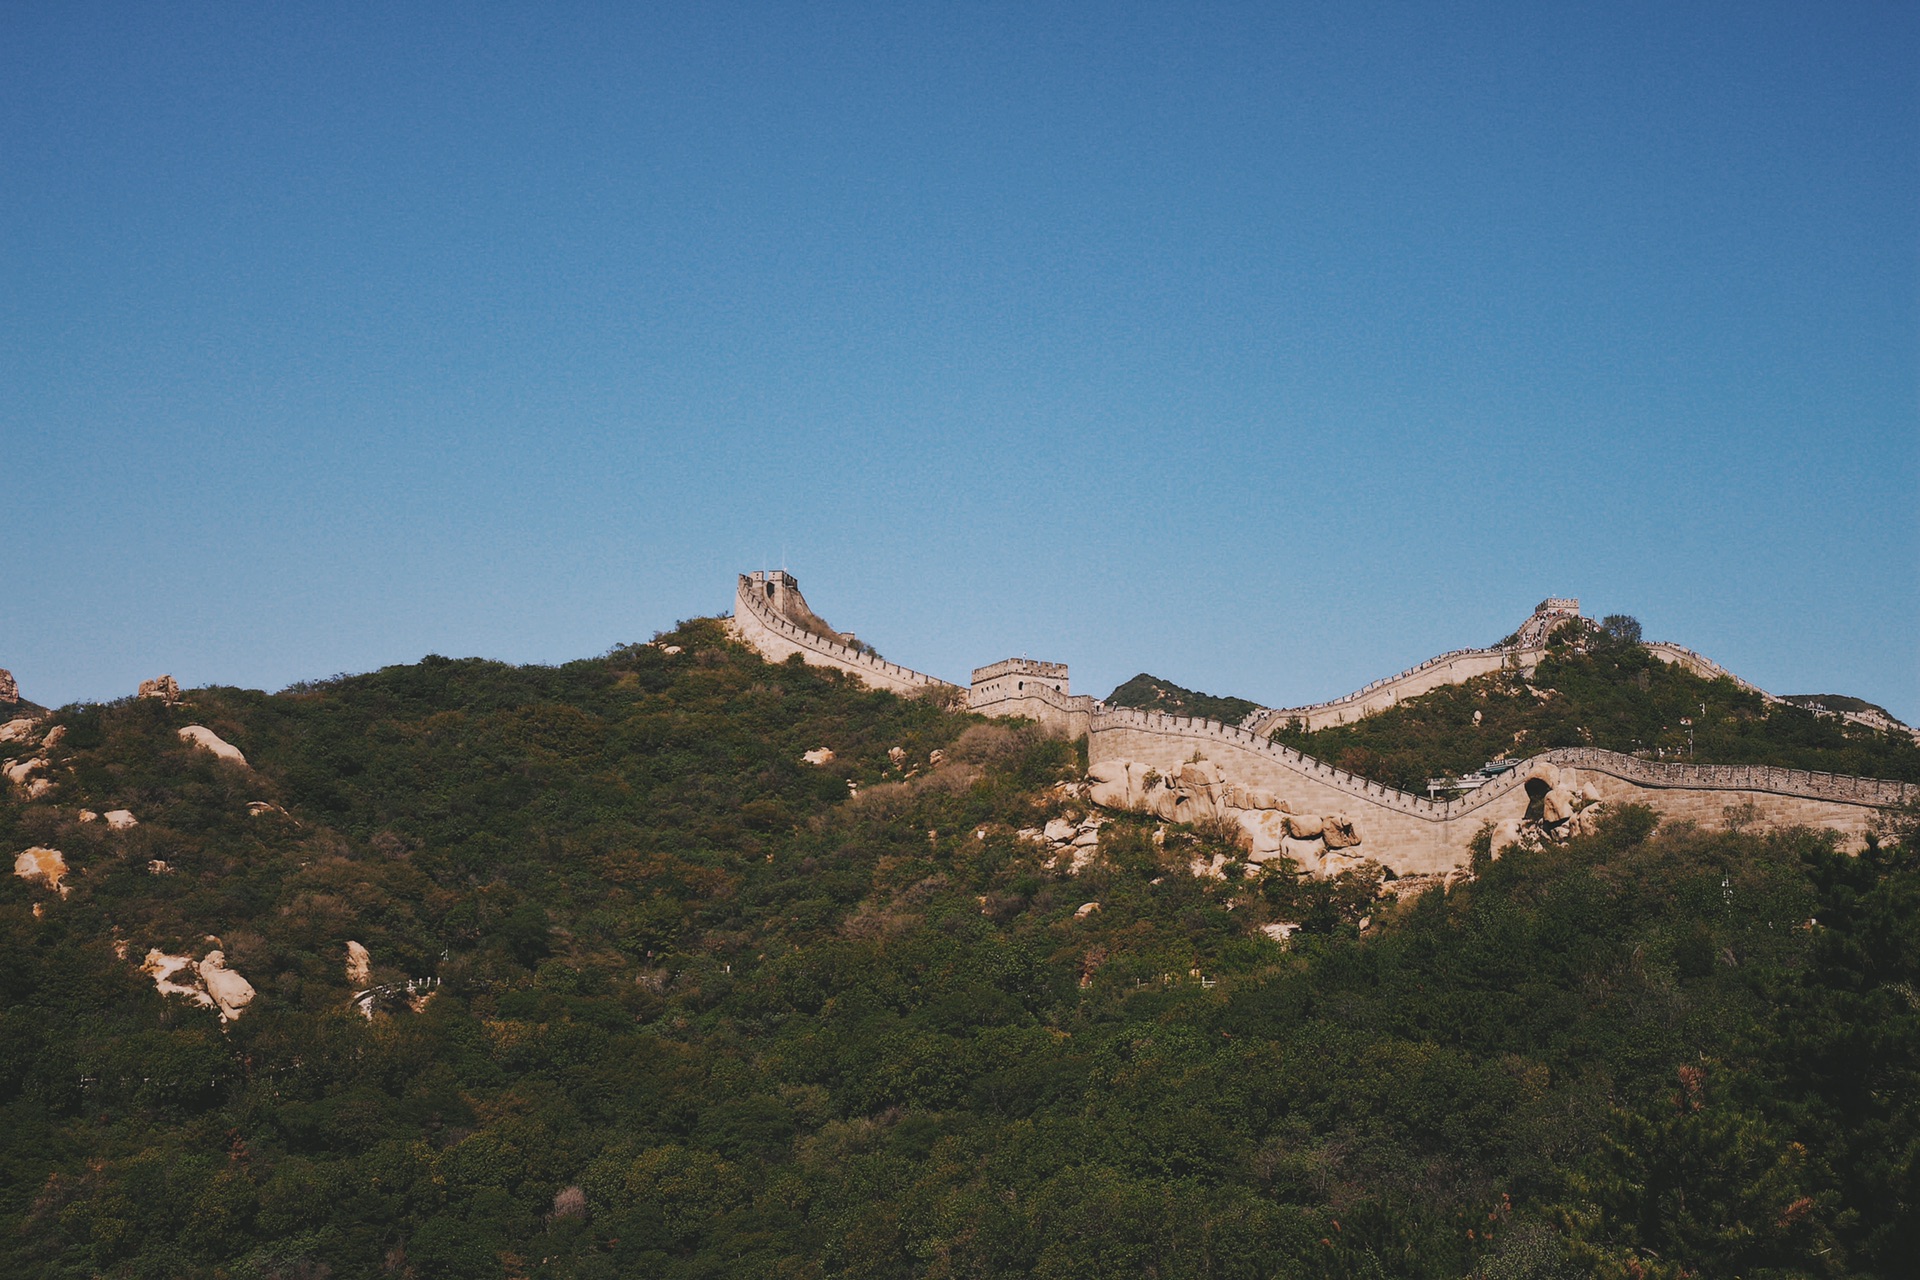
(1410, 835)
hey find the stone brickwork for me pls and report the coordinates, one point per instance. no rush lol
(1409, 834)
(758, 623)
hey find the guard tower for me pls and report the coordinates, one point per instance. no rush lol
(1015, 677)
(1547, 615)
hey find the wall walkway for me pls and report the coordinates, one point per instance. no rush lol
(1408, 833)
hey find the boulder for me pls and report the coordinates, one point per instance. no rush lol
(359, 965)
(159, 867)
(1505, 832)
(53, 737)
(87, 815)
(1339, 831)
(1260, 798)
(18, 771)
(896, 756)
(1111, 784)
(231, 992)
(819, 755)
(9, 691)
(121, 819)
(1059, 831)
(1304, 826)
(162, 968)
(43, 866)
(1085, 909)
(16, 730)
(165, 688)
(1266, 832)
(1558, 806)
(1589, 794)
(39, 787)
(198, 735)
(1202, 789)
(1280, 930)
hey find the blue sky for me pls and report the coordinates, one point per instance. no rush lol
(1268, 348)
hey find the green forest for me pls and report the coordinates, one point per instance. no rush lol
(1611, 695)
(705, 1010)
(1151, 693)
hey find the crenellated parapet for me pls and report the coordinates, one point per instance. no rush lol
(1407, 833)
(760, 621)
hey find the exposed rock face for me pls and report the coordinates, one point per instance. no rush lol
(231, 992)
(42, 866)
(19, 771)
(120, 819)
(1303, 826)
(1338, 831)
(53, 737)
(9, 691)
(209, 984)
(162, 967)
(359, 965)
(198, 735)
(165, 688)
(1200, 792)
(16, 730)
(819, 755)
(1266, 832)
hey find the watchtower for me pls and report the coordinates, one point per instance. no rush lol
(1013, 677)
(1547, 615)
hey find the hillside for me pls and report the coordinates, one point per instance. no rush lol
(704, 1009)
(1614, 696)
(1150, 693)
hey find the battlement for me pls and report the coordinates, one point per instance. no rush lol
(1410, 834)
(1015, 677)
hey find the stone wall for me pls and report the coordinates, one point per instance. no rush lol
(1462, 665)
(1409, 834)
(758, 625)
(1413, 835)
(1449, 668)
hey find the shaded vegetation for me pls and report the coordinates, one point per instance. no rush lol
(707, 1013)
(1615, 696)
(1151, 693)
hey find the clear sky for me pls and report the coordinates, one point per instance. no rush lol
(1269, 348)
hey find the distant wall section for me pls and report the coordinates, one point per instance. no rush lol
(760, 621)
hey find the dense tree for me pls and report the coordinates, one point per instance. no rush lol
(706, 1010)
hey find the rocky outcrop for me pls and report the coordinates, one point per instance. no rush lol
(209, 983)
(19, 772)
(198, 735)
(231, 993)
(9, 690)
(42, 866)
(166, 688)
(1200, 791)
(17, 730)
(818, 756)
(359, 965)
(120, 819)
